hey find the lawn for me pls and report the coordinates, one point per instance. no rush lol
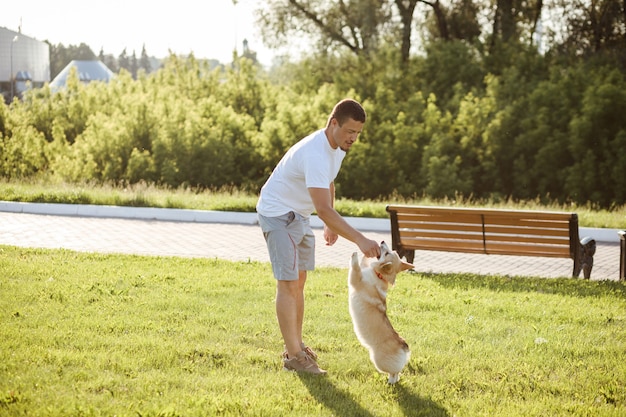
(230, 199)
(101, 335)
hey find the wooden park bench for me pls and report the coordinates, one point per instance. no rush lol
(490, 231)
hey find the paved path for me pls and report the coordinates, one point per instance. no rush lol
(243, 241)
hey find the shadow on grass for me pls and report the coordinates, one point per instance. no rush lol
(575, 287)
(342, 403)
(416, 406)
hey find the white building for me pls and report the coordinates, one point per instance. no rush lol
(23, 60)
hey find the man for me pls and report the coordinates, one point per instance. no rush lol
(303, 183)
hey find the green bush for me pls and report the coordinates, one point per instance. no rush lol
(434, 128)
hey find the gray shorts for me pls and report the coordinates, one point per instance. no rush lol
(291, 244)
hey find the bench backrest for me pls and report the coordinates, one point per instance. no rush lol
(491, 231)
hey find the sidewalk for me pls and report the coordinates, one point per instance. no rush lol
(237, 237)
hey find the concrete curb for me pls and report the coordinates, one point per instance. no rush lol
(210, 216)
(139, 213)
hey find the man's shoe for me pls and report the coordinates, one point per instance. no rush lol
(306, 349)
(309, 352)
(302, 363)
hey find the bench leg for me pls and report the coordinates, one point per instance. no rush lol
(586, 250)
(408, 254)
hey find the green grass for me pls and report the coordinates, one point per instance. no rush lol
(230, 199)
(136, 195)
(101, 335)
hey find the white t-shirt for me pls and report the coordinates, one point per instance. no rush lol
(310, 163)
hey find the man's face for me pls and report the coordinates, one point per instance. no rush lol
(344, 136)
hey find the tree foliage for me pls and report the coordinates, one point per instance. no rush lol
(481, 112)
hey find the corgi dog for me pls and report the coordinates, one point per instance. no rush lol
(368, 282)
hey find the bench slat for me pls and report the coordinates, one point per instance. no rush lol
(527, 231)
(444, 245)
(413, 219)
(416, 234)
(413, 235)
(528, 239)
(527, 250)
(441, 226)
(477, 247)
(523, 222)
(451, 211)
(441, 218)
(477, 228)
(492, 248)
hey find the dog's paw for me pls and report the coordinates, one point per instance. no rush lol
(355, 259)
(393, 378)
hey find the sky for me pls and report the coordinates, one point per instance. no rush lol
(210, 29)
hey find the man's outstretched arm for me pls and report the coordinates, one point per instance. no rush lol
(324, 207)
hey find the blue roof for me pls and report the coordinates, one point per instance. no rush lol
(87, 71)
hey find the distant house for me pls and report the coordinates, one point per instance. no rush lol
(87, 71)
(24, 62)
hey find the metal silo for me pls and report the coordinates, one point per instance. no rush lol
(24, 62)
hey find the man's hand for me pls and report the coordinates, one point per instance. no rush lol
(370, 248)
(329, 236)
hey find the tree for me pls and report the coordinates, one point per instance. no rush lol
(352, 24)
(504, 25)
(123, 61)
(134, 65)
(463, 21)
(406, 10)
(60, 56)
(440, 18)
(363, 26)
(108, 60)
(594, 26)
(144, 61)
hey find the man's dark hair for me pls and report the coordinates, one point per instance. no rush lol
(347, 109)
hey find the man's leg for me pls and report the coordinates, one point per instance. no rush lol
(300, 304)
(289, 312)
(291, 243)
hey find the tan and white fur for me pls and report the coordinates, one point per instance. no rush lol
(368, 282)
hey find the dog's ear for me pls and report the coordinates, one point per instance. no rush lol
(405, 265)
(386, 268)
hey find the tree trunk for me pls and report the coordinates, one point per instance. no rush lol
(507, 20)
(442, 22)
(406, 16)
